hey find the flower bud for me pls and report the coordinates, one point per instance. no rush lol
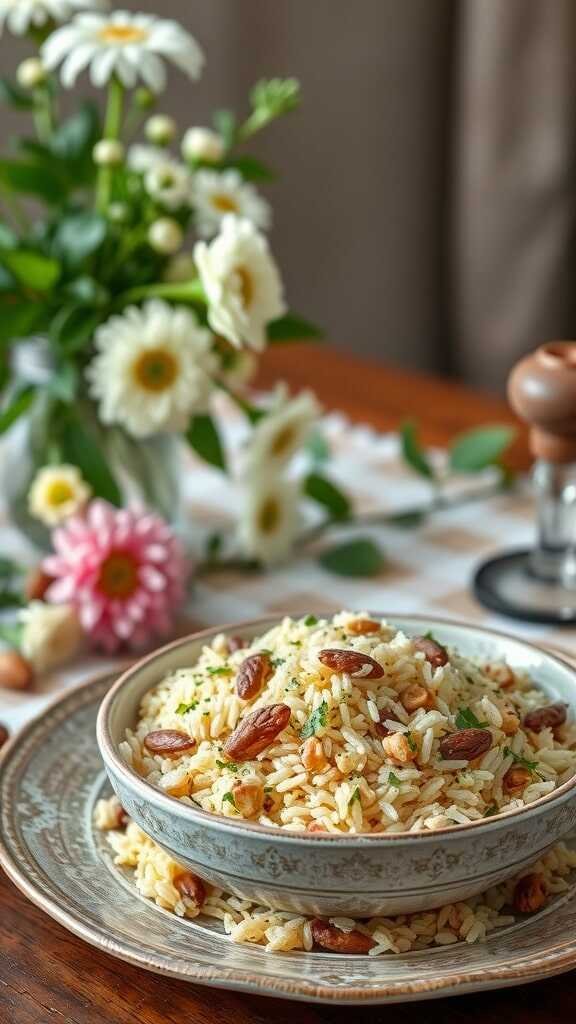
(202, 144)
(108, 152)
(31, 73)
(160, 129)
(181, 268)
(144, 98)
(165, 235)
(118, 213)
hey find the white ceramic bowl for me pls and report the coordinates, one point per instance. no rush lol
(317, 873)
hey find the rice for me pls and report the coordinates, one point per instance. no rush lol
(348, 789)
(154, 874)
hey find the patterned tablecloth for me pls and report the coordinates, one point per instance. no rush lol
(428, 569)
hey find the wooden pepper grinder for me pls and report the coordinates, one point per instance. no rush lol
(539, 585)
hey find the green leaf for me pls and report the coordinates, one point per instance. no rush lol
(229, 798)
(355, 796)
(229, 766)
(479, 448)
(183, 709)
(318, 447)
(310, 620)
(518, 759)
(325, 493)
(219, 670)
(226, 126)
(411, 742)
(202, 435)
(16, 408)
(81, 448)
(19, 319)
(75, 137)
(31, 268)
(270, 98)
(8, 240)
(11, 632)
(292, 328)
(63, 383)
(407, 520)
(412, 451)
(466, 719)
(13, 96)
(317, 720)
(73, 326)
(360, 557)
(393, 780)
(78, 236)
(490, 811)
(250, 168)
(31, 179)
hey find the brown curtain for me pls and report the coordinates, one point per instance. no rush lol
(512, 255)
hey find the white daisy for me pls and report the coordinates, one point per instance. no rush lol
(130, 46)
(141, 158)
(279, 434)
(51, 634)
(152, 370)
(169, 183)
(269, 518)
(217, 193)
(21, 15)
(242, 283)
(56, 493)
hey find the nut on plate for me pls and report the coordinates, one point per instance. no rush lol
(16, 672)
(397, 746)
(354, 663)
(313, 757)
(550, 716)
(255, 732)
(530, 894)
(416, 696)
(465, 745)
(435, 653)
(248, 797)
(169, 742)
(362, 627)
(516, 779)
(4, 735)
(253, 673)
(191, 886)
(327, 936)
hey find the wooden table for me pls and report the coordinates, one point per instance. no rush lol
(48, 976)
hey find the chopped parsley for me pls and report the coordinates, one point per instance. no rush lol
(355, 796)
(183, 709)
(219, 670)
(466, 719)
(493, 809)
(229, 798)
(532, 766)
(277, 661)
(292, 685)
(411, 742)
(430, 636)
(268, 789)
(317, 720)
(231, 766)
(310, 620)
(393, 780)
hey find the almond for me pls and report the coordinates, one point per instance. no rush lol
(385, 716)
(362, 627)
(432, 650)
(550, 716)
(396, 745)
(312, 755)
(168, 742)
(327, 936)
(255, 732)
(252, 674)
(510, 720)
(191, 886)
(354, 663)
(15, 672)
(4, 735)
(515, 780)
(37, 583)
(235, 643)
(416, 696)
(530, 893)
(314, 826)
(248, 797)
(465, 745)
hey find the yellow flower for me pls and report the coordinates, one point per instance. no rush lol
(57, 492)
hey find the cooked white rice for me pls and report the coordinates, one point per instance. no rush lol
(359, 786)
(247, 922)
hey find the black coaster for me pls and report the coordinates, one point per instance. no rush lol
(506, 585)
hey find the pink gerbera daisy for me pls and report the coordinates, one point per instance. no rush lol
(122, 569)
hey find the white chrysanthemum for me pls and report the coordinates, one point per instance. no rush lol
(56, 493)
(21, 15)
(169, 183)
(279, 435)
(269, 518)
(152, 370)
(217, 193)
(129, 46)
(51, 634)
(241, 281)
(143, 158)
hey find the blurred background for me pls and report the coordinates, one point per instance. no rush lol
(424, 213)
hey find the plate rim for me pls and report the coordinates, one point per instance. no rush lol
(217, 976)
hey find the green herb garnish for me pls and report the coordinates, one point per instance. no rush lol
(317, 720)
(411, 742)
(219, 670)
(231, 766)
(393, 780)
(277, 661)
(355, 796)
(532, 766)
(310, 620)
(292, 685)
(466, 719)
(493, 809)
(268, 789)
(229, 798)
(183, 709)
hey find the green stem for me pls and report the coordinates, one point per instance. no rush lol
(16, 210)
(43, 114)
(112, 129)
(187, 292)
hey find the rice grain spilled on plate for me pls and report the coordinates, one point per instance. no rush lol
(350, 726)
(159, 878)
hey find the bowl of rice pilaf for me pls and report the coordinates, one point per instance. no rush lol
(360, 764)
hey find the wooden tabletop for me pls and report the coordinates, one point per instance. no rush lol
(47, 976)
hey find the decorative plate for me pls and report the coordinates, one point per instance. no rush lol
(50, 777)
